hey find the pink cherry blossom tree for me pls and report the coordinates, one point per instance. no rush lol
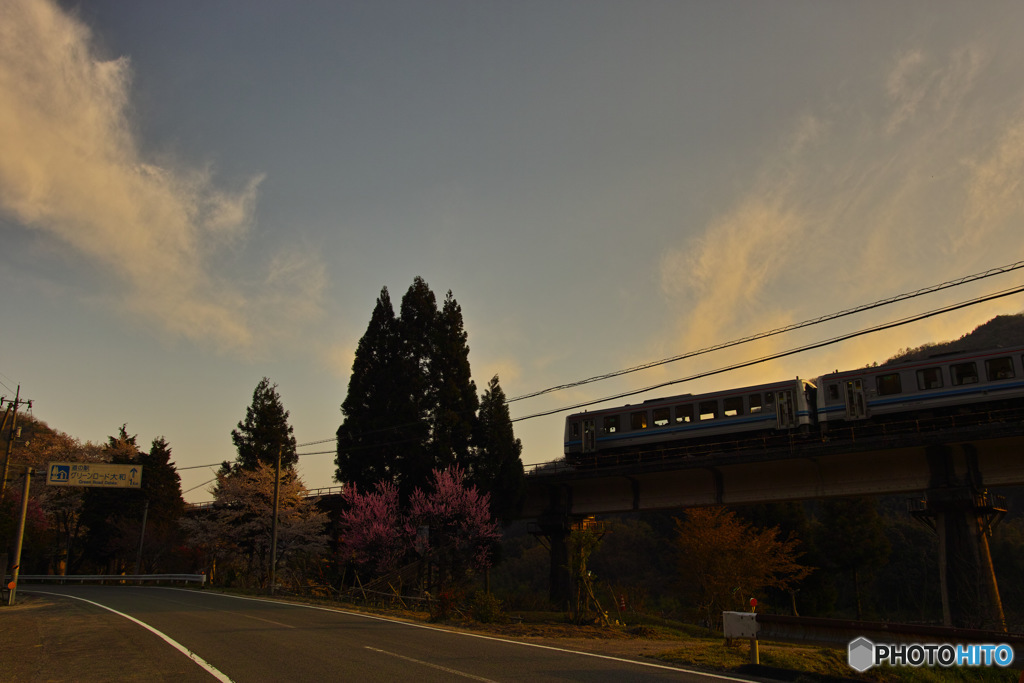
(373, 533)
(461, 528)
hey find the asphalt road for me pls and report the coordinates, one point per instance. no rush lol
(184, 635)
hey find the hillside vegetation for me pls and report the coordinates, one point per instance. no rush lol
(1003, 330)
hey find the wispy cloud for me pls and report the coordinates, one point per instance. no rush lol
(72, 169)
(900, 187)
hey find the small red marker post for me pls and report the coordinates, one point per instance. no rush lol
(755, 656)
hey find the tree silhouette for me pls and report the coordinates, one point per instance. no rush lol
(729, 561)
(497, 467)
(264, 431)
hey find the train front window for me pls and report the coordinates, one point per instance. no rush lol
(638, 420)
(684, 413)
(833, 392)
(963, 373)
(888, 384)
(611, 424)
(708, 410)
(732, 406)
(574, 429)
(929, 378)
(999, 368)
(755, 403)
(661, 417)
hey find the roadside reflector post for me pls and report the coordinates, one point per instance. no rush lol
(755, 655)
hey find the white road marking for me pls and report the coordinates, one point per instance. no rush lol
(445, 669)
(212, 670)
(236, 614)
(650, 665)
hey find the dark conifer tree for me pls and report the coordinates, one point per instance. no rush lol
(411, 404)
(380, 418)
(416, 333)
(103, 509)
(455, 401)
(264, 431)
(161, 484)
(497, 466)
(113, 517)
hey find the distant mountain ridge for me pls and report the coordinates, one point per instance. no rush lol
(1003, 330)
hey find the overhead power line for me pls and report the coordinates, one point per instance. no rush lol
(736, 342)
(783, 354)
(781, 330)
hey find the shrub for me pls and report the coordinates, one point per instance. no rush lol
(485, 608)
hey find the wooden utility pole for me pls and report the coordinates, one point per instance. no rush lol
(273, 523)
(13, 407)
(16, 567)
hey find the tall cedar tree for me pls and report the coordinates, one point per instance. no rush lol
(264, 431)
(114, 516)
(380, 418)
(455, 402)
(417, 324)
(497, 466)
(411, 402)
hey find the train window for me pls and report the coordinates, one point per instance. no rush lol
(574, 429)
(708, 410)
(963, 373)
(888, 384)
(833, 392)
(999, 368)
(732, 406)
(755, 403)
(611, 424)
(929, 378)
(661, 417)
(684, 413)
(638, 420)
(769, 400)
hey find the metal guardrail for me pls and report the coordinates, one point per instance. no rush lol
(111, 578)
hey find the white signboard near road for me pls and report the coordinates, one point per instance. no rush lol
(103, 475)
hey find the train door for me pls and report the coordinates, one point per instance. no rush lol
(589, 436)
(785, 409)
(856, 406)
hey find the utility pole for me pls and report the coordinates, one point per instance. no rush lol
(13, 406)
(142, 537)
(16, 567)
(273, 523)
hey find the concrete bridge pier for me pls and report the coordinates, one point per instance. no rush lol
(963, 514)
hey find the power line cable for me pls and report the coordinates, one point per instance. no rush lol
(736, 342)
(781, 330)
(195, 487)
(783, 354)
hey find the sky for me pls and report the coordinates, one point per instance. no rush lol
(196, 195)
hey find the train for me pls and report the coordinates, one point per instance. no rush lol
(939, 385)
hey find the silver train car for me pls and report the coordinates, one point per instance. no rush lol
(766, 407)
(933, 386)
(940, 385)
